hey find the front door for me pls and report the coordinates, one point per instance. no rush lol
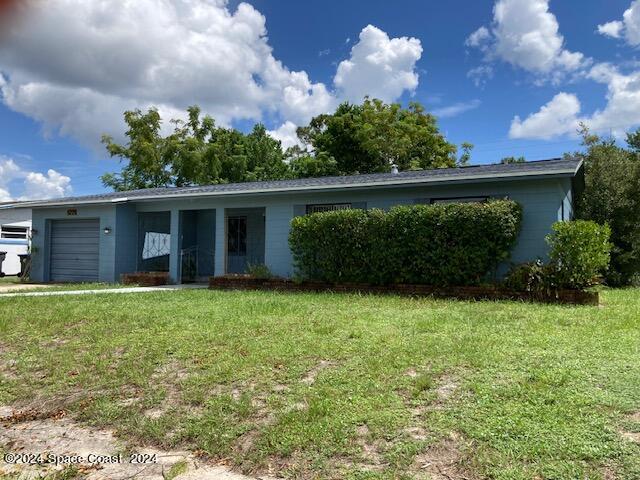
(236, 244)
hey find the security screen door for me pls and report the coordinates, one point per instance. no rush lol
(236, 244)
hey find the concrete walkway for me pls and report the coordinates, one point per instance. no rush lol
(170, 288)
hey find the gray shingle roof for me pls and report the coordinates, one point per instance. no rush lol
(471, 173)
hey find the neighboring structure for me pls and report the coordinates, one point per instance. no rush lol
(15, 227)
(195, 232)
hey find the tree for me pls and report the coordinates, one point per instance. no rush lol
(369, 138)
(364, 138)
(506, 160)
(195, 153)
(466, 153)
(304, 165)
(265, 160)
(146, 151)
(611, 195)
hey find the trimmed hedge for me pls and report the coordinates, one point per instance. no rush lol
(454, 244)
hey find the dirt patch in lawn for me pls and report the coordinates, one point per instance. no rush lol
(372, 449)
(633, 435)
(447, 385)
(310, 376)
(170, 376)
(8, 364)
(34, 433)
(444, 461)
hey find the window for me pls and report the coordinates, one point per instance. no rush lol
(327, 207)
(17, 233)
(459, 200)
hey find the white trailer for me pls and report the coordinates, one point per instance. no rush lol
(15, 234)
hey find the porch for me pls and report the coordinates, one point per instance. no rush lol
(192, 245)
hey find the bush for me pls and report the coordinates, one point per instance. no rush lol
(455, 244)
(580, 252)
(259, 271)
(534, 277)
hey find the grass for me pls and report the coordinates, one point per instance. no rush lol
(341, 386)
(9, 280)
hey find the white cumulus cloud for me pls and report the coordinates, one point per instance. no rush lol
(479, 38)
(526, 34)
(41, 186)
(628, 27)
(557, 117)
(379, 66)
(611, 29)
(32, 185)
(8, 172)
(561, 115)
(76, 66)
(286, 134)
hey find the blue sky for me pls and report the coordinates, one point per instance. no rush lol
(550, 64)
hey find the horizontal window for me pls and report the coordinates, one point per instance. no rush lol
(459, 200)
(327, 207)
(19, 233)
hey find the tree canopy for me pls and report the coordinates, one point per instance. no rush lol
(612, 195)
(370, 137)
(197, 152)
(366, 138)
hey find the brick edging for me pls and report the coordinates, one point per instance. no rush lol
(569, 297)
(145, 279)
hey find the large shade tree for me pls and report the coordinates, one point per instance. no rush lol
(372, 136)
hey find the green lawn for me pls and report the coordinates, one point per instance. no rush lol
(341, 386)
(9, 280)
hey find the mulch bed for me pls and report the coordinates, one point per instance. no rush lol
(246, 282)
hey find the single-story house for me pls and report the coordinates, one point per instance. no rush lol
(196, 232)
(15, 226)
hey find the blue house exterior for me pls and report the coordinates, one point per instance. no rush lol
(195, 232)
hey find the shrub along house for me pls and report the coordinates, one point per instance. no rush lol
(196, 232)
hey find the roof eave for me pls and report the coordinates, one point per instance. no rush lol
(315, 188)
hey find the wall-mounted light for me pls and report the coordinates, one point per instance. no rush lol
(107, 230)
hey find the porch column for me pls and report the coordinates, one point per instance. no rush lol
(221, 242)
(277, 255)
(174, 251)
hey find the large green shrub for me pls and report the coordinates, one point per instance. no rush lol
(455, 244)
(611, 196)
(580, 252)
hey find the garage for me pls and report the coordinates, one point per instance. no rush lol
(75, 246)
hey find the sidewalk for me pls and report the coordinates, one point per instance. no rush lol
(169, 288)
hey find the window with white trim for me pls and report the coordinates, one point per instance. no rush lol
(14, 233)
(327, 207)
